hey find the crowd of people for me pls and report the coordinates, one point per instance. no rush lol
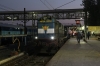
(79, 35)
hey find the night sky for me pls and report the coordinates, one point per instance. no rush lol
(7, 5)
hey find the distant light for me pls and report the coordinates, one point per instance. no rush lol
(81, 18)
(36, 37)
(15, 17)
(34, 14)
(9, 17)
(82, 27)
(87, 26)
(52, 37)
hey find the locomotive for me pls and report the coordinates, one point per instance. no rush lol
(50, 30)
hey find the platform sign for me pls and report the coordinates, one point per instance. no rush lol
(77, 21)
(78, 24)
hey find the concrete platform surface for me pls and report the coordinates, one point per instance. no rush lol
(74, 54)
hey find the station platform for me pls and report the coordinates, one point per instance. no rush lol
(74, 54)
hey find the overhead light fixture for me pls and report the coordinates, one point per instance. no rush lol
(9, 17)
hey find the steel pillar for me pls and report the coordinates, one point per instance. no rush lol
(25, 29)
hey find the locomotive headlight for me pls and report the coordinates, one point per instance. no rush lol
(52, 37)
(36, 37)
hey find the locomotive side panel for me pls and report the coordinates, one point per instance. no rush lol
(59, 30)
(56, 29)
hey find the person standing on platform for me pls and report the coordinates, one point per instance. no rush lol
(88, 35)
(78, 36)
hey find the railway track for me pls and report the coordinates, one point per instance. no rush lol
(26, 60)
(17, 61)
(39, 61)
(35, 59)
(4, 53)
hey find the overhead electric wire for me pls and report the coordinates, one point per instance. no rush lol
(49, 4)
(57, 7)
(65, 4)
(6, 7)
(3, 9)
(45, 4)
(61, 5)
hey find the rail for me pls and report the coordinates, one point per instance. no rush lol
(10, 58)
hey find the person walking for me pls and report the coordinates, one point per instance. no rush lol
(78, 36)
(88, 35)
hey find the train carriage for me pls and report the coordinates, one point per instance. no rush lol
(8, 32)
(8, 29)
